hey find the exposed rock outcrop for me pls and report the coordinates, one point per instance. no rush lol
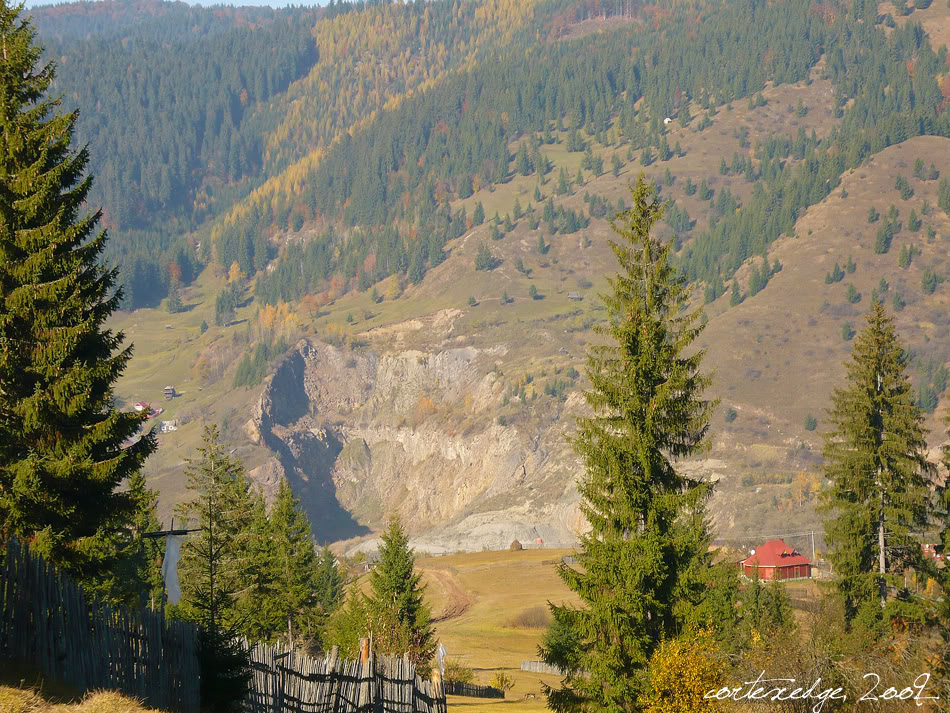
(360, 435)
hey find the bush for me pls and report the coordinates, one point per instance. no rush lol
(811, 423)
(457, 672)
(731, 415)
(532, 618)
(484, 259)
(847, 331)
(502, 681)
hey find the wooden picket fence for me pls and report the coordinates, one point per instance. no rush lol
(540, 667)
(291, 682)
(471, 690)
(47, 622)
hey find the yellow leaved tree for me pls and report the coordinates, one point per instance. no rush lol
(681, 672)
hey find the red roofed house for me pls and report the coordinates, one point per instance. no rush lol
(776, 560)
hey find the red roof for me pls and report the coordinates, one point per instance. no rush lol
(775, 553)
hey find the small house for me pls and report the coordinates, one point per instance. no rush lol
(930, 551)
(140, 406)
(169, 392)
(776, 560)
(577, 296)
(667, 121)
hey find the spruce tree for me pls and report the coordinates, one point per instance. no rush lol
(62, 452)
(641, 561)
(875, 458)
(328, 583)
(295, 567)
(212, 568)
(397, 615)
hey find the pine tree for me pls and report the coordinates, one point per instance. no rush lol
(328, 583)
(397, 615)
(875, 458)
(211, 569)
(62, 458)
(478, 215)
(295, 567)
(640, 560)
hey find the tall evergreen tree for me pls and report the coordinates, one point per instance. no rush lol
(328, 584)
(295, 567)
(62, 452)
(640, 559)
(875, 458)
(211, 569)
(398, 616)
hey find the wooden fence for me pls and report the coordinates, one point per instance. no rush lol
(47, 622)
(457, 688)
(291, 682)
(540, 667)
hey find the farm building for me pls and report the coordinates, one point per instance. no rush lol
(776, 560)
(169, 392)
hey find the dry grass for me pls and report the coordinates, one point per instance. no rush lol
(22, 700)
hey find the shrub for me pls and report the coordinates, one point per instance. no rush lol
(847, 331)
(731, 415)
(502, 681)
(538, 617)
(457, 672)
(811, 423)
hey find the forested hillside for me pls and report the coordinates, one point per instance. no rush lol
(345, 171)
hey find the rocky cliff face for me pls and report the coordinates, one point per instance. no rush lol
(360, 435)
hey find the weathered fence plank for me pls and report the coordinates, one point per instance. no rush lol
(457, 688)
(47, 622)
(292, 682)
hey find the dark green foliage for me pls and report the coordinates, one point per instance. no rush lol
(534, 294)
(204, 326)
(212, 566)
(836, 275)
(759, 278)
(928, 282)
(919, 168)
(811, 423)
(643, 563)
(731, 415)
(873, 215)
(875, 458)
(252, 370)
(395, 610)
(226, 303)
(903, 186)
(484, 259)
(905, 257)
(63, 444)
(478, 215)
(943, 195)
(933, 174)
(735, 297)
(615, 164)
(847, 331)
(913, 222)
(562, 184)
(898, 302)
(850, 267)
(689, 187)
(853, 295)
(646, 156)
(705, 192)
(885, 234)
(472, 301)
